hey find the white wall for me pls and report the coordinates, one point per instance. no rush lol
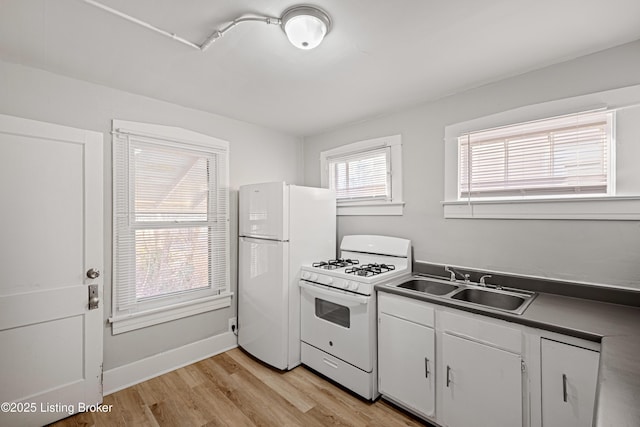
(257, 154)
(605, 252)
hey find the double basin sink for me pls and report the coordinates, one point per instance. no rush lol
(510, 300)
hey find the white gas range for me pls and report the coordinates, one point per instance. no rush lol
(338, 308)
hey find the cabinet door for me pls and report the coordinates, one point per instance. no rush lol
(481, 385)
(569, 376)
(406, 365)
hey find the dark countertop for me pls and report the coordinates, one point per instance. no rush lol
(616, 327)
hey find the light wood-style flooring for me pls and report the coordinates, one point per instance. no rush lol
(233, 389)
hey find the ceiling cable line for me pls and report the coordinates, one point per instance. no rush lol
(219, 33)
(215, 35)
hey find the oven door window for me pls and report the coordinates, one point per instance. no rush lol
(334, 313)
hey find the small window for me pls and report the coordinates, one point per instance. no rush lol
(366, 176)
(171, 232)
(567, 156)
(361, 176)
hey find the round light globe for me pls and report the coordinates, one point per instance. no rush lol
(305, 32)
(305, 26)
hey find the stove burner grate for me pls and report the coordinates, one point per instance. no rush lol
(368, 270)
(333, 264)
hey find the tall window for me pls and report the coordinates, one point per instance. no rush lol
(562, 156)
(366, 176)
(171, 226)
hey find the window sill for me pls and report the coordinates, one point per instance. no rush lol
(142, 319)
(370, 208)
(620, 208)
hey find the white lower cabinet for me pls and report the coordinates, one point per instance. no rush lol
(569, 378)
(459, 369)
(406, 364)
(482, 385)
(406, 360)
(475, 375)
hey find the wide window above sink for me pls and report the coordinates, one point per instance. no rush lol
(572, 158)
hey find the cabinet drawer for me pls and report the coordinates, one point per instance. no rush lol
(361, 382)
(492, 332)
(406, 308)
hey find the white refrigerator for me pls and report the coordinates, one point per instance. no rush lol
(281, 227)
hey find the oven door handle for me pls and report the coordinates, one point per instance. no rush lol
(342, 297)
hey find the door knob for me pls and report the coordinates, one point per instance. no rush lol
(92, 273)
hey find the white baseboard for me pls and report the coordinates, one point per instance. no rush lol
(141, 370)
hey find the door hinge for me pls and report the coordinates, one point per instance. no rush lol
(523, 366)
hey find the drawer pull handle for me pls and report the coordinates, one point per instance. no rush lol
(564, 387)
(334, 365)
(448, 375)
(426, 367)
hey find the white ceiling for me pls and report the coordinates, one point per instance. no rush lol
(380, 56)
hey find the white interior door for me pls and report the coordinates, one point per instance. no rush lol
(50, 236)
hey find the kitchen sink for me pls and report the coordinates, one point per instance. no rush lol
(492, 299)
(428, 286)
(470, 294)
(511, 301)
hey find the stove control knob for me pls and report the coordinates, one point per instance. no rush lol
(305, 275)
(329, 280)
(314, 277)
(354, 286)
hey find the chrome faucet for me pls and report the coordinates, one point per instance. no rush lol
(482, 280)
(455, 274)
(451, 272)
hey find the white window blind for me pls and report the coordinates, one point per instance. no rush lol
(568, 156)
(171, 229)
(361, 175)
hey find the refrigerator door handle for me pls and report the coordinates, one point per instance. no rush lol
(341, 297)
(258, 239)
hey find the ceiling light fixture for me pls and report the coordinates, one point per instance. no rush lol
(305, 26)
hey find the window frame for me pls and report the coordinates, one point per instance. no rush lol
(623, 204)
(394, 205)
(507, 135)
(168, 307)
